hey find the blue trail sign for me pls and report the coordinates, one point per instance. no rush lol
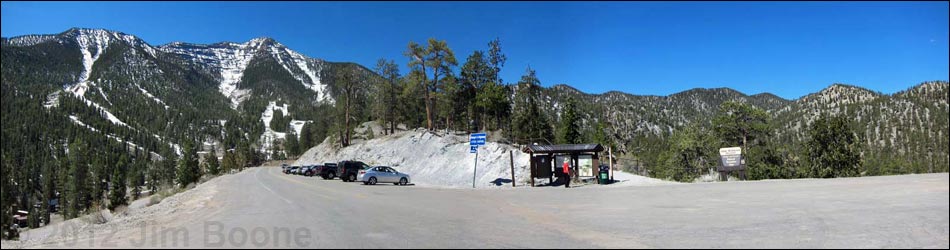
(475, 140)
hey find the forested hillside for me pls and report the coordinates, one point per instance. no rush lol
(88, 114)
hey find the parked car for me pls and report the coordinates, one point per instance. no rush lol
(293, 170)
(383, 174)
(312, 170)
(303, 170)
(327, 171)
(348, 170)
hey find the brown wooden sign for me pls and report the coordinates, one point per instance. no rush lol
(731, 160)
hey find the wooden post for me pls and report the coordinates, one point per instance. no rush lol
(531, 167)
(511, 155)
(610, 160)
(552, 166)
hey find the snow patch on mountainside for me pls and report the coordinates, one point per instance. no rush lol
(233, 63)
(304, 63)
(269, 135)
(228, 60)
(113, 137)
(153, 97)
(92, 43)
(29, 40)
(297, 125)
(52, 100)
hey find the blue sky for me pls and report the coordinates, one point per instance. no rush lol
(645, 48)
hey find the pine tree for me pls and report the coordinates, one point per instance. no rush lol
(77, 194)
(290, 145)
(227, 162)
(137, 176)
(833, 148)
(530, 124)
(6, 193)
(739, 123)
(188, 170)
(437, 58)
(278, 123)
(352, 83)
(688, 156)
(599, 135)
(118, 184)
(50, 186)
(306, 136)
(568, 130)
(492, 97)
(214, 166)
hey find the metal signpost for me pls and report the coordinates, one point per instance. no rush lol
(475, 140)
(731, 160)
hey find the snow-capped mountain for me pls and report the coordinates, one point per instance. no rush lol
(157, 99)
(228, 61)
(164, 94)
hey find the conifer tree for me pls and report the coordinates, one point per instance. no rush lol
(569, 128)
(214, 166)
(118, 184)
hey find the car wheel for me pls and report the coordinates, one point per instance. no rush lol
(352, 178)
(403, 181)
(332, 175)
(372, 180)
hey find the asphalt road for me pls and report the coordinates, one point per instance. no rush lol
(263, 208)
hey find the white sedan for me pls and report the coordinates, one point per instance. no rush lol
(383, 174)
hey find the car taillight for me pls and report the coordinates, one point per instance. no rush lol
(362, 171)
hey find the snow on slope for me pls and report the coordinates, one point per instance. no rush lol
(153, 97)
(430, 160)
(227, 59)
(233, 63)
(116, 138)
(297, 125)
(310, 78)
(230, 60)
(269, 135)
(92, 43)
(443, 161)
(29, 40)
(304, 63)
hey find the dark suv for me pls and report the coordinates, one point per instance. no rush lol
(348, 170)
(327, 171)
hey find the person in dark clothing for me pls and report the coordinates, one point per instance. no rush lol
(567, 173)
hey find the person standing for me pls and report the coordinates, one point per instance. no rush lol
(567, 173)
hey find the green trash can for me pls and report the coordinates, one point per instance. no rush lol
(604, 175)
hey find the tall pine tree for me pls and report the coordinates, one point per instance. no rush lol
(117, 190)
(530, 124)
(569, 127)
(188, 170)
(214, 166)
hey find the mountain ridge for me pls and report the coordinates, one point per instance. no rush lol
(207, 91)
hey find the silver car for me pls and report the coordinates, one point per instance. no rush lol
(383, 174)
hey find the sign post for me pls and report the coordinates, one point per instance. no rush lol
(731, 160)
(475, 140)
